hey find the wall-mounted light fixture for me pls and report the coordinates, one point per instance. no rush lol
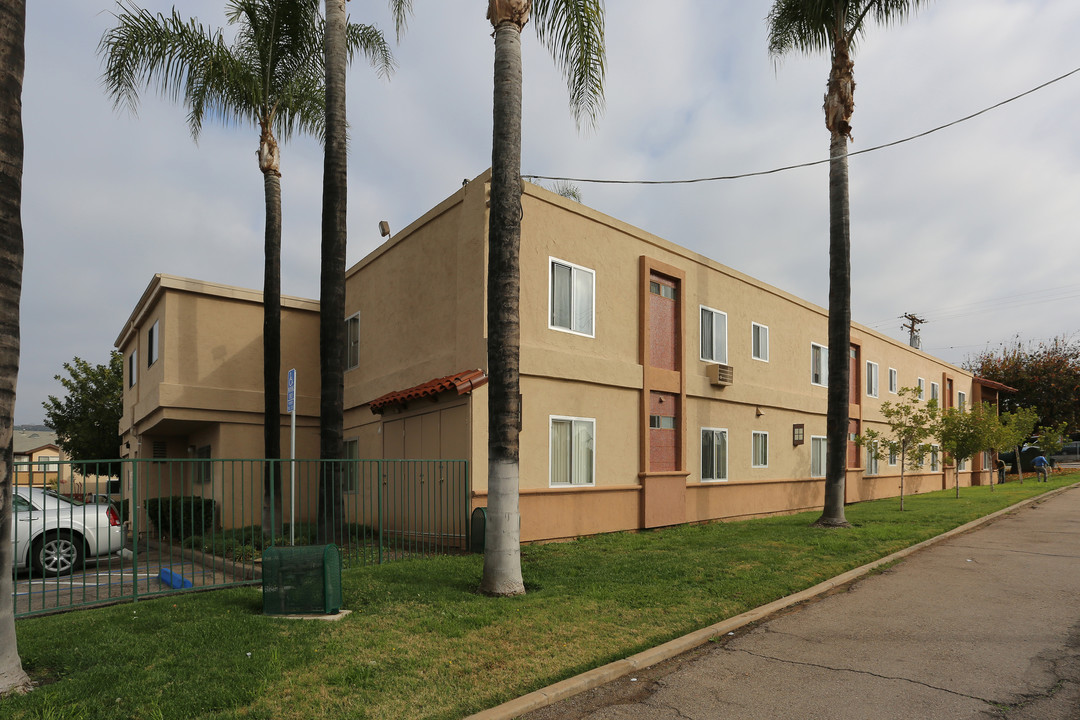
(384, 228)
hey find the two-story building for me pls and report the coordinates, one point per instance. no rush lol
(658, 386)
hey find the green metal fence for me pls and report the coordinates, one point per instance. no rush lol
(84, 538)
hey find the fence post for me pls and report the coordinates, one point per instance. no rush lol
(133, 510)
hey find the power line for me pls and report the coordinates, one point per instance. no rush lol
(806, 164)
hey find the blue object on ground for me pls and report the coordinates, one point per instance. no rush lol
(173, 580)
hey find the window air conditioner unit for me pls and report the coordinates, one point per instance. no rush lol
(721, 374)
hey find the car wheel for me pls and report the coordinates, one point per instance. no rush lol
(57, 554)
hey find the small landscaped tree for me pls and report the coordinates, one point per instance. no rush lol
(1013, 428)
(962, 434)
(911, 422)
(1052, 438)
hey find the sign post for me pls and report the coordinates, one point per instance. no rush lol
(290, 406)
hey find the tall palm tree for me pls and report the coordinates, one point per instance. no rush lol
(332, 274)
(12, 61)
(271, 76)
(833, 26)
(573, 30)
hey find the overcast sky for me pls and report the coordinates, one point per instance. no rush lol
(973, 228)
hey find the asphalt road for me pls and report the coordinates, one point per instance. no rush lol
(983, 625)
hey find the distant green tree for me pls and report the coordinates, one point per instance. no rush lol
(911, 423)
(1045, 375)
(964, 433)
(87, 419)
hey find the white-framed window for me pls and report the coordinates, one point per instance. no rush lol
(571, 293)
(961, 400)
(819, 365)
(871, 459)
(572, 451)
(962, 465)
(759, 341)
(133, 367)
(892, 457)
(761, 449)
(352, 341)
(871, 379)
(352, 469)
(817, 455)
(48, 463)
(935, 391)
(714, 454)
(152, 344)
(894, 383)
(713, 335)
(935, 461)
(922, 388)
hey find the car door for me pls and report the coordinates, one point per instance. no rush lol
(23, 516)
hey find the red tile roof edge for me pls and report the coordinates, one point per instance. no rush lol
(463, 382)
(995, 385)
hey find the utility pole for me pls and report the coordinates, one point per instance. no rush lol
(913, 329)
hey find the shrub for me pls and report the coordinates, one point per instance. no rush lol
(181, 517)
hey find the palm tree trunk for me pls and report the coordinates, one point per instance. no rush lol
(271, 512)
(502, 547)
(12, 61)
(836, 420)
(332, 280)
(839, 105)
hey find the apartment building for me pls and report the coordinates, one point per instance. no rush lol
(658, 386)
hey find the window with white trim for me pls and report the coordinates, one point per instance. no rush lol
(714, 454)
(819, 365)
(761, 449)
(572, 451)
(935, 462)
(892, 457)
(759, 341)
(922, 388)
(571, 295)
(893, 381)
(961, 400)
(352, 341)
(962, 465)
(817, 455)
(713, 335)
(152, 344)
(871, 379)
(935, 391)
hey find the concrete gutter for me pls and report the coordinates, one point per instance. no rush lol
(617, 669)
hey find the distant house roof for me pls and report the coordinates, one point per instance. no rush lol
(29, 441)
(463, 383)
(995, 385)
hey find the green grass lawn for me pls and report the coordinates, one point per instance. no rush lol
(421, 643)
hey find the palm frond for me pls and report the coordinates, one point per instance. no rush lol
(401, 10)
(370, 41)
(573, 31)
(811, 26)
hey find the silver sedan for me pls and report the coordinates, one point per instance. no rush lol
(54, 535)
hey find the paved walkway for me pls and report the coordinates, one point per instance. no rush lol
(984, 624)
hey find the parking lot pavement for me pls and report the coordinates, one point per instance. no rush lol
(109, 579)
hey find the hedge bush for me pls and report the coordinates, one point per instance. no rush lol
(180, 517)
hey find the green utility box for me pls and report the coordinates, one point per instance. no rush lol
(302, 580)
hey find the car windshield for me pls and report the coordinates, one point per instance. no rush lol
(65, 498)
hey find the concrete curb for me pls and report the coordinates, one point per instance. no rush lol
(614, 670)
